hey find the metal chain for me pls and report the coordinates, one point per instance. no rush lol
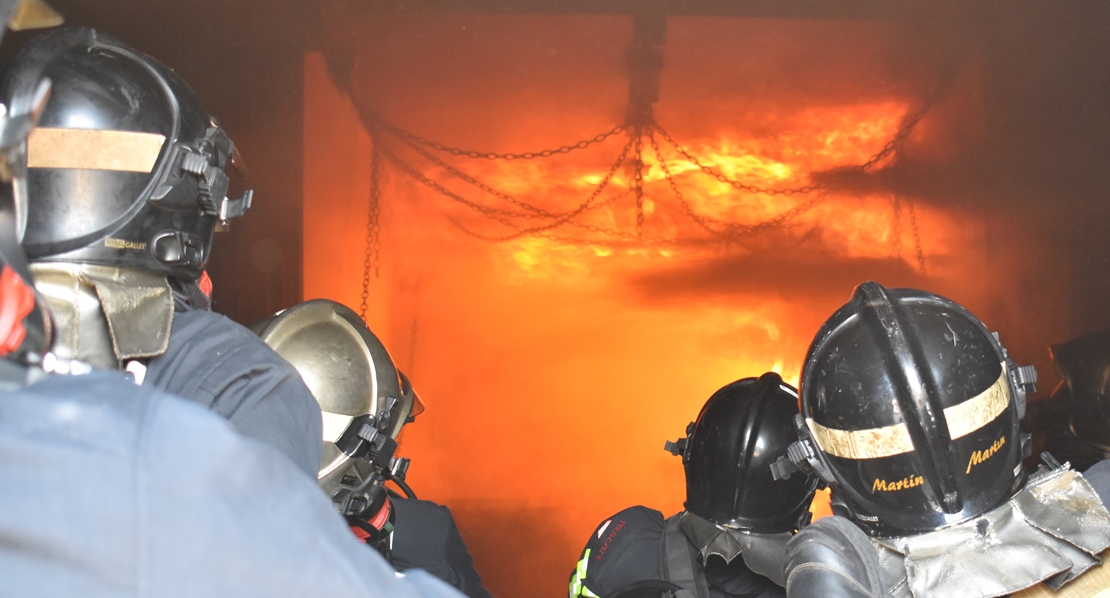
(896, 227)
(731, 232)
(736, 229)
(547, 153)
(492, 213)
(724, 179)
(586, 205)
(500, 215)
(421, 178)
(791, 214)
(608, 232)
(900, 137)
(536, 212)
(916, 237)
(702, 221)
(373, 229)
(638, 181)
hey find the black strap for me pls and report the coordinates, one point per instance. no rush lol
(652, 588)
(678, 561)
(189, 291)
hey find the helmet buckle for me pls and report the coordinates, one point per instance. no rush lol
(179, 249)
(399, 468)
(363, 440)
(800, 457)
(233, 208)
(676, 447)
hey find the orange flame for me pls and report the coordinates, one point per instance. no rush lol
(551, 382)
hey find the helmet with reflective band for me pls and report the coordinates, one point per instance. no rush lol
(741, 430)
(911, 405)
(126, 168)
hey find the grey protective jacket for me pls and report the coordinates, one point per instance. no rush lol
(112, 489)
(225, 367)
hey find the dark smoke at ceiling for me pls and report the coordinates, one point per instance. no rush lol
(803, 270)
(1018, 142)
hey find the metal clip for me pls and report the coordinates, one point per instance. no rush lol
(1025, 378)
(801, 457)
(676, 447)
(233, 208)
(398, 468)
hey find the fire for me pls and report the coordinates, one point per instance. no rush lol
(812, 140)
(555, 364)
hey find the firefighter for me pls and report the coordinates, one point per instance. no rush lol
(1074, 422)
(126, 187)
(365, 401)
(729, 541)
(911, 415)
(832, 558)
(114, 489)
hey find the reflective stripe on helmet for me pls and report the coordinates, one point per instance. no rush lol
(335, 424)
(94, 149)
(887, 441)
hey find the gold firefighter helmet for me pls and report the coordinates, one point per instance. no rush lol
(363, 398)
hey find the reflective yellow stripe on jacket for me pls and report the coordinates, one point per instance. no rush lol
(578, 587)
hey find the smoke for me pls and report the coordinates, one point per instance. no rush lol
(553, 372)
(804, 270)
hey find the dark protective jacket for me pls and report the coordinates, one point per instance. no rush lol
(425, 537)
(111, 489)
(225, 367)
(628, 548)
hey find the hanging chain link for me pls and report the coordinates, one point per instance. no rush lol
(727, 231)
(899, 138)
(702, 221)
(535, 212)
(724, 179)
(547, 153)
(916, 237)
(638, 181)
(373, 229)
(793, 212)
(501, 216)
(896, 227)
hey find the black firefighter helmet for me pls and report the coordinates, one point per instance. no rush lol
(127, 167)
(742, 429)
(913, 408)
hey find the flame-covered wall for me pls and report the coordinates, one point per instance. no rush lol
(553, 372)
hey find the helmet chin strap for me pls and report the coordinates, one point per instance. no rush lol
(801, 456)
